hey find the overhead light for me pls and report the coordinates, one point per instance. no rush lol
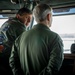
(6, 10)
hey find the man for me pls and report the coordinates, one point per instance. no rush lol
(38, 51)
(11, 29)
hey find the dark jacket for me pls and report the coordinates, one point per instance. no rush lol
(38, 51)
(11, 29)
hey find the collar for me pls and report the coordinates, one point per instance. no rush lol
(15, 19)
(40, 25)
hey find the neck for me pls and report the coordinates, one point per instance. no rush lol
(45, 23)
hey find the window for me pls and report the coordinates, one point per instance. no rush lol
(5, 16)
(2, 21)
(65, 27)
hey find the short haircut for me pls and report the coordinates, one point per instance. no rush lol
(40, 12)
(23, 11)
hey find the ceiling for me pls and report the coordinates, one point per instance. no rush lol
(11, 6)
(7, 4)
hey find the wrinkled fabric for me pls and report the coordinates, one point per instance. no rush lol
(38, 51)
(11, 29)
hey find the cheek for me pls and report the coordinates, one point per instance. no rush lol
(24, 20)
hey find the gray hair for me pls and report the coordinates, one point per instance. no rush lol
(40, 12)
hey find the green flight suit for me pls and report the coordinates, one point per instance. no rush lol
(38, 51)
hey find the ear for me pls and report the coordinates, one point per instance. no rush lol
(48, 17)
(18, 16)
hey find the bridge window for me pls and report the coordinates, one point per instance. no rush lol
(2, 21)
(65, 26)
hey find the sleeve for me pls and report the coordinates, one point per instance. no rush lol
(56, 58)
(14, 61)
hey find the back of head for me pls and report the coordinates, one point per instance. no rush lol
(24, 10)
(40, 12)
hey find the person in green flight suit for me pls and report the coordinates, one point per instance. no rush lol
(38, 51)
(11, 29)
